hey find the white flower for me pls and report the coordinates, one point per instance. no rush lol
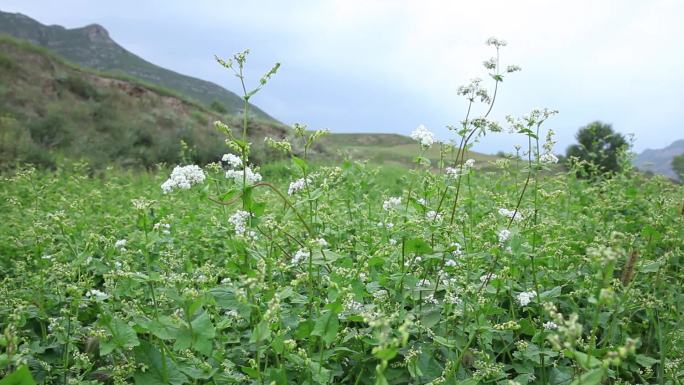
(392, 241)
(421, 201)
(430, 299)
(489, 277)
(504, 235)
(120, 244)
(162, 227)
(296, 186)
(239, 221)
(452, 298)
(525, 297)
(300, 256)
(423, 136)
(550, 325)
(391, 203)
(469, 163)
(450, 263)
(233, 160)
(457, 249)
(451, 172)
(183, 177)
(96, 294)
(250, 176)
(548, 158)
(509, 213)
(322, 242)
(423, 282)
(432, 215)
(352, 306)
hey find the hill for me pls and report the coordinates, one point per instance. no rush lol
(92, 47)
(388, 149)
(660, 161)
(50, 108)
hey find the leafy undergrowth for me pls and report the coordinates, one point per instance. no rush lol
(116, 282)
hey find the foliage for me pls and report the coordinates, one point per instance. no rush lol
(444, 274)
(599, 148)
(678, 166)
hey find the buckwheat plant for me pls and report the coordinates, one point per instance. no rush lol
(462, 270)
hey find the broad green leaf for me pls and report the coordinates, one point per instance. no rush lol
(592, 377)
(326, 327)
(21, 376)
(261, 332)
(646, 361)
(123, 336)
(158, 371)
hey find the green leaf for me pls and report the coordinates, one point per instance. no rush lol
(326, 327)
(652, 267)
(584, 360)
(199, 337)
(21, 376)
(386, 353)
(301, 163)
(260, 333)
(158, 371)
(592, 377)
(418, 246)
(123, 336)
(646, 361)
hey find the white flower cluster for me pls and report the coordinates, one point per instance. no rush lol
(391, 203)
(525, 297)
(451, 172)
(457, 249)
(469, 163)
(183, 177)
(548, 158)
(300, 256)
(433, 215)
(239, 221)
(509, 214)
(504, 235)
(296, 186)
(423, 136)
(96, 294)
(250, 176)
(322, 242)
(120, 244)
(233, 160)
(162, 227)
(550, 325)
(489, 277)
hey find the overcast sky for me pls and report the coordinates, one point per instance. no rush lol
(387, 66)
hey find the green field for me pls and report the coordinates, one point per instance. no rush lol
(107, 280)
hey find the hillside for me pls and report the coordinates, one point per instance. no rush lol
(660, 161)
(388, 149)
(50, 108)
(92, 47)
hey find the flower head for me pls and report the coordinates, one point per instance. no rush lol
(423, 136)
(233, 160)
(183, 177)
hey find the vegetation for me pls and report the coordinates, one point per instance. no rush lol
(91, 47)
(296, 273)
(678, 166)
(599, 148)
(51, 110)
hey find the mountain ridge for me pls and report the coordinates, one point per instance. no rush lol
(659, 161)
(91, 46)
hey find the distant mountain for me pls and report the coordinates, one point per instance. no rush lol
(91, 47)
(660, 161)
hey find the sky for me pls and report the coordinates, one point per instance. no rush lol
(388, 66)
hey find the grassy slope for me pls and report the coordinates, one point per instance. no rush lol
(92, 47)
(388, 149)
(51, 108)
